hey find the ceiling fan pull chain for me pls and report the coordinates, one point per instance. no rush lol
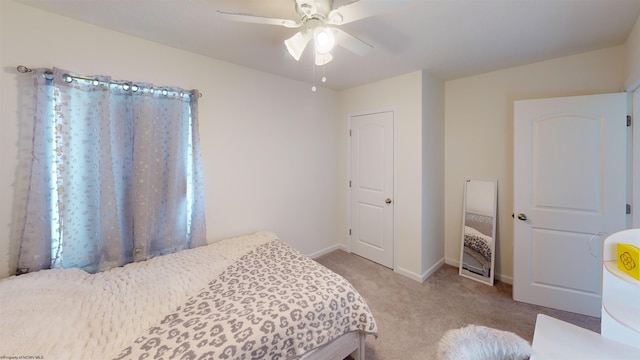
(313, 76)
(324, 77)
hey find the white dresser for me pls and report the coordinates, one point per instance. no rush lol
(620, 293)
(619, 336)
(555, 339)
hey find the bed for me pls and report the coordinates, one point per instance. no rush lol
(249, 297)
(478, 243)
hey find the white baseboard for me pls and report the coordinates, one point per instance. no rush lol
(433, 269)
(408, 273)
(504, 279)
(328, 250)
(452, 262)
(417, 277)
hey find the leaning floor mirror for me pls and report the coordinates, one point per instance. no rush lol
(477, 254)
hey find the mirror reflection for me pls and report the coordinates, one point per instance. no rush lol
(478, 230)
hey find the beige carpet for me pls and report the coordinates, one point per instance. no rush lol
(413, 316)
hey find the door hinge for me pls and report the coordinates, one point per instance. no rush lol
(349, 232)
(349, 132)
(628, 120)
(628, 209)
(349, 183)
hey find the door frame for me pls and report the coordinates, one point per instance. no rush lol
(393, 110)
(635, 158)
(634, 110)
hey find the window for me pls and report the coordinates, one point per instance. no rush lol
(116, 173)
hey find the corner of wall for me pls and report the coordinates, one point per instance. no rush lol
(632, 46)
(432, 173)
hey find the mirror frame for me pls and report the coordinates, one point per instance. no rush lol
(490, 207)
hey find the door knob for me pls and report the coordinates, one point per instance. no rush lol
(388, 201)
(522, 217)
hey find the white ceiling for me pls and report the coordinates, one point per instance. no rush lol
(448, 38)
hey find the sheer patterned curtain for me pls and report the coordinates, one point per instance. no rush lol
(115, 174)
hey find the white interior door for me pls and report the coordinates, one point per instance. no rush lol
(371, 204)
(569, 186)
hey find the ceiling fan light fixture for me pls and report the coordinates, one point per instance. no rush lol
(324, 39)
(322, 59)
(296, 44)
(319, 20)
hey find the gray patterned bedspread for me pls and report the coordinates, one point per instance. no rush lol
(274, 303)
(478, 242)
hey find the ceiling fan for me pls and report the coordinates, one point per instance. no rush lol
(319, 21)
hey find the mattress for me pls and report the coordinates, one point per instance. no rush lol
(171, 305)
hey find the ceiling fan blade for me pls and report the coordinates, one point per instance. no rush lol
(259, 19)
(323, 59)
(296, 44)
(351, 42)
(361, 9)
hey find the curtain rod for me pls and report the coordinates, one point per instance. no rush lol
(23, 69)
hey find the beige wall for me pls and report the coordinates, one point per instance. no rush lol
(269, 145)
(268, 164)
(258, 175)
(418, 100)
(403, 94)
(479, 131)
(633, 58)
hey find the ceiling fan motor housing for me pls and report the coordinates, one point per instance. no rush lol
(313, 9)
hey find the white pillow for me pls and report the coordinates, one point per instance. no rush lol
(475, 342)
